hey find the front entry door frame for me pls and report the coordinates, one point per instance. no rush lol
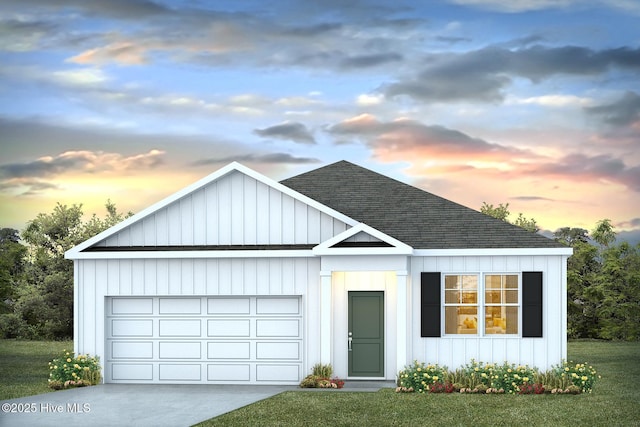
(366, 325)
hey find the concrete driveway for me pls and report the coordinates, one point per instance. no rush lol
(132, 405)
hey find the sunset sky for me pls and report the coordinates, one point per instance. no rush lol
(535, 103)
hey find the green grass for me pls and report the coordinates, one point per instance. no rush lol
(24, 368)
(614, 402)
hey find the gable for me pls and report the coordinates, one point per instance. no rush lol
(234, 207)
(362, 240)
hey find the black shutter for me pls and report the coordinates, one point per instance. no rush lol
(532, 304)
(430, 305)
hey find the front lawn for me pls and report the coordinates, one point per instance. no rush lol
(24, 366)
(614, 402)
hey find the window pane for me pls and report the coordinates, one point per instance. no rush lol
(492, 297)
(469, 297)
(451, 297)
(451, 282)
(512, 320)
(494, 321)
(461, 320)
(511, 281)
(470, 282)
(511, 296)
(492, 281)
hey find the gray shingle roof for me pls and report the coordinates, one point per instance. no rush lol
(411, 215)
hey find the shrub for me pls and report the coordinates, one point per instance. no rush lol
(421, 376)
(321, 378)
(577, 374)
(324, 371)
(479, 377)
(74, 371)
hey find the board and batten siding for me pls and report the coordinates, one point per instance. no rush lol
(455, 351)
(233, 210)
(98, 279)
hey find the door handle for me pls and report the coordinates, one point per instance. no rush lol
(350, 339)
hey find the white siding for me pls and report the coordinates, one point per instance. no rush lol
(456, 351)
(233, 210)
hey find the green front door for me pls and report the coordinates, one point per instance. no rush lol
(366, 334)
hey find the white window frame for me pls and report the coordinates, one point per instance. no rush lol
(444, 304)
(481, 305)
(518, 304)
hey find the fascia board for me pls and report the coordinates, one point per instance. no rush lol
(74, 253)
(307, 253)
(494, 252)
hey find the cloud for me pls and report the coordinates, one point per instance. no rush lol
(121, 9)
(410, 138)
(555, 101)
(80, 161)
(483, 75)
(368, 61)
(271, 158)
(534, 5)
(122, 52)
(597, 168)
(531, 198)
(292, 131)
(622, 112)
(26, 186)
(23, 35)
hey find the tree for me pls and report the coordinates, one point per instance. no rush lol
(502, 213)
(44, 299)
(603, 284)
(603, 234)
(12, 255)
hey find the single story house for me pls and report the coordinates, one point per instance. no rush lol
(239, 279)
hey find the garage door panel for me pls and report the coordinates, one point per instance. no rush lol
(180, 350)
(229, 350)
(278, 350)
(277, 372)
(131, 350)
(278, 328)
(132, 306)
(180, 306)
(277, 306)
(227, 373)
(228, 306)
(132, 371)
(132, 328)
(172, 339)
(229, 328)
(180, 328)
(180, 372)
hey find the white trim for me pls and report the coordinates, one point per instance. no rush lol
(307, 253)
(493, 252)
(75, 252)
(398, 248)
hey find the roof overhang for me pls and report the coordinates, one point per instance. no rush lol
(494, 252)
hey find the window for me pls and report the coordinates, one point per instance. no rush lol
(461, 304)
(466, 300)
(501, 304)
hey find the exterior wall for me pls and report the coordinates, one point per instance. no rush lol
(456, 351)
(97, 279)
(233, 210)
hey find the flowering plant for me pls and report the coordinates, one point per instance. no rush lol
(70, 370)
(420, 376)
(580, 375)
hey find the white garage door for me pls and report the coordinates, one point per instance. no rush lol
(252, 340)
